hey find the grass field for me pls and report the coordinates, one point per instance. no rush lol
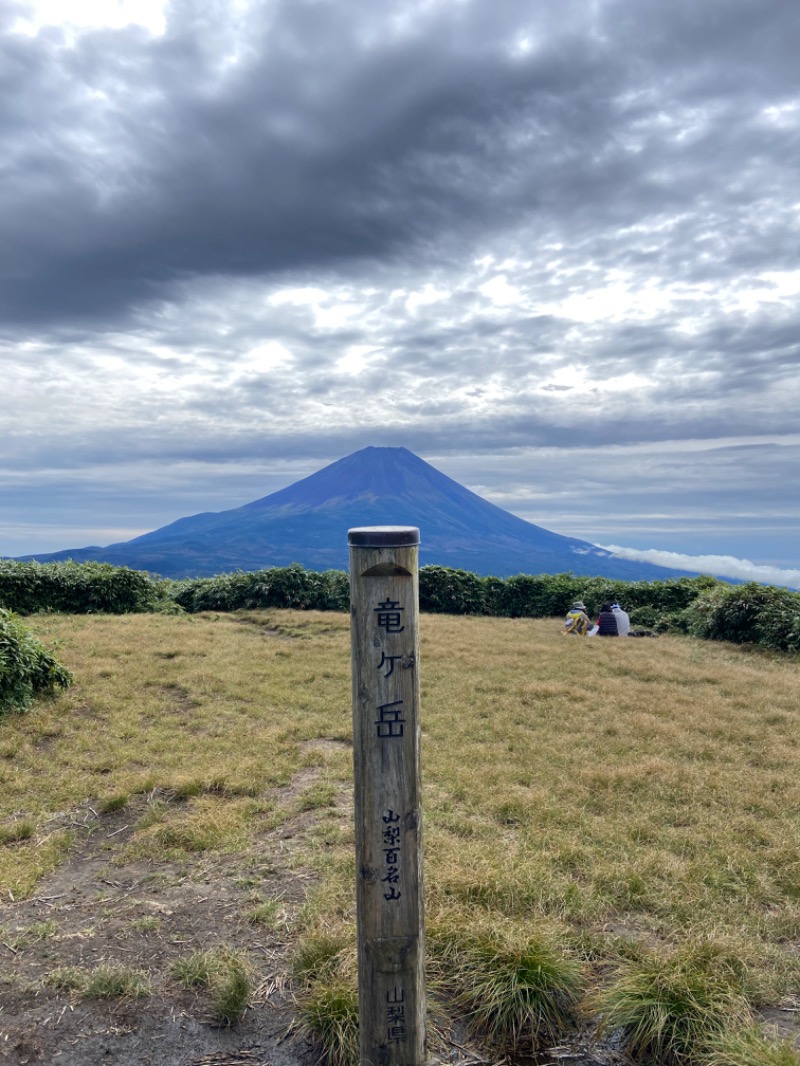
(622, 814)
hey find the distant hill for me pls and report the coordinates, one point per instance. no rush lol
(307, 523)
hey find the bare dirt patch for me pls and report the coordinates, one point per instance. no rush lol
(144, 917)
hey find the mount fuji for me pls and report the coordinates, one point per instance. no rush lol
(307, 523)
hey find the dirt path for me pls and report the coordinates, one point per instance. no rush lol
(145, 917)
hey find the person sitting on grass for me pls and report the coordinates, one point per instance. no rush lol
(607, 622)
(623, 620)
(577, 620)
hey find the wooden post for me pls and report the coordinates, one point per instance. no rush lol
(384, 598)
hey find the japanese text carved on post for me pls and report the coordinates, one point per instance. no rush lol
(384, 595)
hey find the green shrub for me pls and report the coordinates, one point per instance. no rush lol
(672, 622)
(778, 624)
(446, 591)
(644, 617)
(27, 669)
(79, 588)
(702, 606)
(290, 586)
(748, 614)
(536, 596)
(549, 595)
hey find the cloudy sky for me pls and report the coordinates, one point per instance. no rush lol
(553, 249)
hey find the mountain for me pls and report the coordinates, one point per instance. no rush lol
(307, 523)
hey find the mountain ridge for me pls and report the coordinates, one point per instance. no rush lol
(307, 522)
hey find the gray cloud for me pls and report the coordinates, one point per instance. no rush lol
(138, 161)
(550, 248)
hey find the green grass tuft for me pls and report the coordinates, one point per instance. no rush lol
(111, 980)
(65, 979)
(17, 831)
(519, 992)
(149, 923)
(328, 1012)
(668, 1007)
(107, 981)
(114, 803)
(265, 912)
(225, 973)
(325, 972)
(194, 971)
(320, 956)
(750, 1047)
(230, 990)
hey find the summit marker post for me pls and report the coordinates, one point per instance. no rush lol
(384, 608)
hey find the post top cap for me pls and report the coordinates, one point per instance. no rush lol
(383, 536)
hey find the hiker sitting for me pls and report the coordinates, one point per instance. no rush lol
(607, 622)
(577, 620)
(623, 620)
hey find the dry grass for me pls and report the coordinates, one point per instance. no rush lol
(750, 1047)
(625, 798)
(106, 981)
(648, 785)
(207, 716)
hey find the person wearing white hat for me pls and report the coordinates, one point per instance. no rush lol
(623, 619)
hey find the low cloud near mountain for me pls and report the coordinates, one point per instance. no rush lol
(724, 565)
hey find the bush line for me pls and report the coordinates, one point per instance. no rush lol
(700, 606)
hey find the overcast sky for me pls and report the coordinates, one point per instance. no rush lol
(553, 249)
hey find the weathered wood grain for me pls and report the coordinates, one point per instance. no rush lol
(388, 817)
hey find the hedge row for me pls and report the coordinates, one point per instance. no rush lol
(549, 595)
(78, 588)
(289, 586)
(82, 588)
(701, 606)
(86, 587)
